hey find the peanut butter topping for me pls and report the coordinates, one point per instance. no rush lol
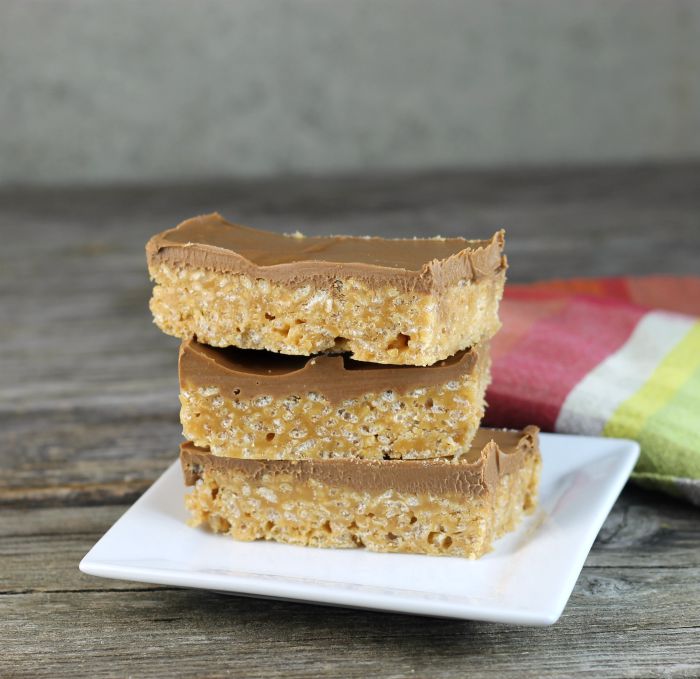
(418, 264)
(247, 373)
(494, 452)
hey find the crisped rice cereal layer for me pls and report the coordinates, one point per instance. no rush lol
(382, 326)
(426, 507)
(261, 405)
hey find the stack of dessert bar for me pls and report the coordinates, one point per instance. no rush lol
(332, 387)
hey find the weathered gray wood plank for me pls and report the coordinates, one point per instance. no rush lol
(87, 455)
(152, 633)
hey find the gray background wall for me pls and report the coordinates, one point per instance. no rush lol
(95, 91)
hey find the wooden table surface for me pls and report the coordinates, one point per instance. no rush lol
(89, 416)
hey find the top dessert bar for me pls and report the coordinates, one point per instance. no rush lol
(401, 301)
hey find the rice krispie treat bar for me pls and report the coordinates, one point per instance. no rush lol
(404, 301)
(420, 506)
(258, 404)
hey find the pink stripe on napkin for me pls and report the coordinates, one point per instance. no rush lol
(528, 385)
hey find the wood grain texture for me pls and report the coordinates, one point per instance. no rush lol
(88, 412)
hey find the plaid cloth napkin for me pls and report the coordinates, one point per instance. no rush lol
(607, 357)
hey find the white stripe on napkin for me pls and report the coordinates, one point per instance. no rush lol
(591, 403)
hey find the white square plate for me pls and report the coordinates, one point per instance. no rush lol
(526, 579)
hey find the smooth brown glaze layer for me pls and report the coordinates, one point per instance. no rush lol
(246, 373)
(418, 264)
(494, 452)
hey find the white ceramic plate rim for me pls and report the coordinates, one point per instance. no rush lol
(596, 468)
